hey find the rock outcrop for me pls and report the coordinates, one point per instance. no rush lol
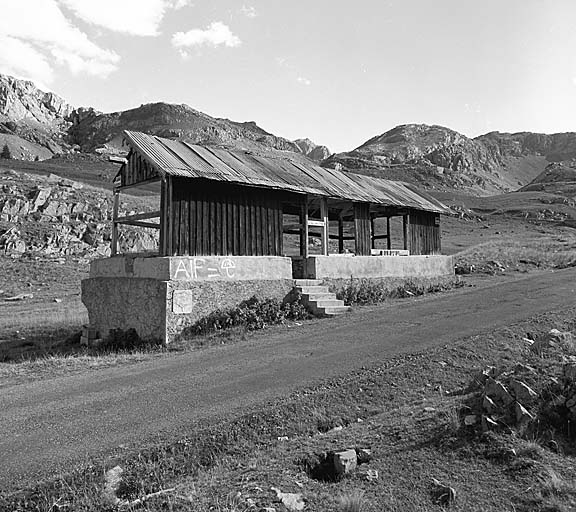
(312, 150)
(54, 216)
(442, 158)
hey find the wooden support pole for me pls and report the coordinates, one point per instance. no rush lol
(340, 235)
(324, 215)
(169, 219)
(372, 232)
(389, 241)
(115, 207)
(304, 228)
(406, 229)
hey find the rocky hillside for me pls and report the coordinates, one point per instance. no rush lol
(51, 216)
(96, 131)
(558, 178)
(36, 125)
(438, 157)
(312, 150)
(33, 123)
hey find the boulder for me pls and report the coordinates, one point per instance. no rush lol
(345, 462)
(522, 392)
(498, 392)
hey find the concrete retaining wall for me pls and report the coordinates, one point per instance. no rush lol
(374, 267)
(159, 297)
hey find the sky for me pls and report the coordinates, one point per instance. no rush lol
(337, 72)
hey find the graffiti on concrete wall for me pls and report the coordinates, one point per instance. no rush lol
(192, 269)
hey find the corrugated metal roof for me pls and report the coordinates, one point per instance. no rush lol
(178, 158)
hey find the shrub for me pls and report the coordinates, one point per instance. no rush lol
(368, 291)
(252, 314)
(6, 152)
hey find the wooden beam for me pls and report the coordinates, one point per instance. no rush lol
(340, 235)
(139, 216)
(389, 242)
(139, 224)
(139, 184)
(115, 206)
(316, 223)
(406, 231)
(372, 233)
(325, 226)
(304, 230)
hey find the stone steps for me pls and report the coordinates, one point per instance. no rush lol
(318, 299)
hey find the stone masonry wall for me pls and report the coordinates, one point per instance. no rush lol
(124, 303)
(187, 302)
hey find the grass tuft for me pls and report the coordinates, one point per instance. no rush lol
(353, 501)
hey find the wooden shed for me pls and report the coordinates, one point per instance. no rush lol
(216, 201)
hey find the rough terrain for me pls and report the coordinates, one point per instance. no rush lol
(46, 428)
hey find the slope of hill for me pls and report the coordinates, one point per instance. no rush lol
(442, 158)
(35, 124)
(32, 122)
(558, 178)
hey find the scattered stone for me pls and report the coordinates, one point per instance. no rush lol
(479, 380)
(345, 462)
(488, 423)
(523, 368)
(498, 392)
(363, 455)
(20, 296)
(470, 419)
(268, 509)
(57, 300)
(336, 429)
(488, 405)
(283, 438)
(429, 409)
(522, 414)
(522, 392)
(443, 494)
(563, 339)
(112, 481)
(292, 501)
(370, 474)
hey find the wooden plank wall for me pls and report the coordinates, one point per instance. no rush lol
(362, 229)
(209, 218)
(424, 233)
(137, 170)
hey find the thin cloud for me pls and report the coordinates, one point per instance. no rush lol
(134, 17)
(303, 81)
(249, 11)
(216, 34)
(32, 45)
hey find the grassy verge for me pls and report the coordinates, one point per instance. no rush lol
(509, 253)
(400, 410)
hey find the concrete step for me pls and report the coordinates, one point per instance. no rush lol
(333, 311)
(308, 290)
(307, 297)
(326, 303)
(307, 282)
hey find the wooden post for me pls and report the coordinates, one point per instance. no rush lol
(406, 226)
(372, 232)
(340, 235)
(168, 237)
(115, 207)
(324, 215)
(304, 228)
(388, 239)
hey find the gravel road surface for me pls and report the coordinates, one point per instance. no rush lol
(53, 424)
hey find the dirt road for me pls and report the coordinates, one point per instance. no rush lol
(53, 424)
